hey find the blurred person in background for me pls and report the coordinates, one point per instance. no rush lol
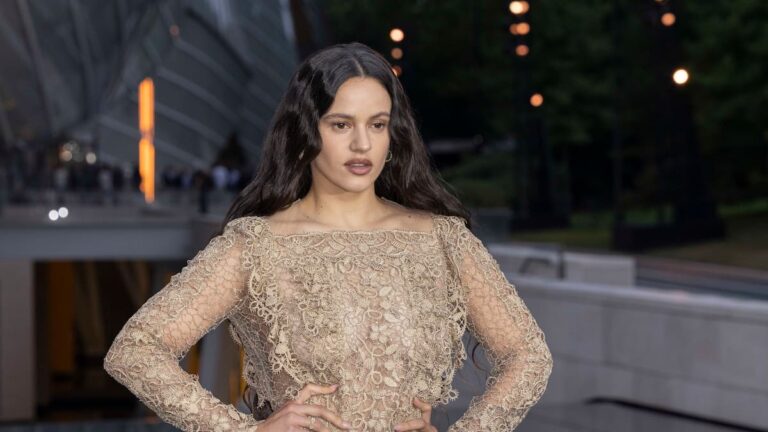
(60, 182)
(106, 185)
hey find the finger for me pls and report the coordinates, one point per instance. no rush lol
(311, 389)
(297, 421)
(421, 404)
(426, 409)
(411, 425)
(315, 426)
(321, 411)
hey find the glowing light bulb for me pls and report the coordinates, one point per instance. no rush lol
(519, 7)
(396, 35)
(537, 100)
(668, 19)
(680, 76)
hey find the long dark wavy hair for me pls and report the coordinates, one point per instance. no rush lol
(282, 176)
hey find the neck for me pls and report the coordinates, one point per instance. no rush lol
(345, 210)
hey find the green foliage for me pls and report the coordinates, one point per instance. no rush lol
(484, 180)
(571, 61)
(593, 60)
(728, 48)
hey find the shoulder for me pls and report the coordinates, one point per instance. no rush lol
(249, 226)
(449, 224)
(455, 220)
(410, 219)
(454, 234)
(286, 221)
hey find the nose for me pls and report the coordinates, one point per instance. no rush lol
(361, 142)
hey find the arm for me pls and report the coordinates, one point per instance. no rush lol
(145, 355)
(516, 348)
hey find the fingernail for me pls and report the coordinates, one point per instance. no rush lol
(346, 424)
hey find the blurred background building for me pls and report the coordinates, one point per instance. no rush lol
(614, 154)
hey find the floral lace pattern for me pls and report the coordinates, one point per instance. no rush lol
(380, 312)
(497, 316)
(145, 354)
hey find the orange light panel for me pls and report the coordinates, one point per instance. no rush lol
(146, 145)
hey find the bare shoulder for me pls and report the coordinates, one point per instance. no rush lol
(285, 221)
(409, 218)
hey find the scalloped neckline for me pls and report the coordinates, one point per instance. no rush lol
(377, 231)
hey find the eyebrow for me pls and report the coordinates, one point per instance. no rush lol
(350, 117)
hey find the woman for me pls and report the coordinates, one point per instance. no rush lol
(348, 274)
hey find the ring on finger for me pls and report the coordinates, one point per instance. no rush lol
(312, 423)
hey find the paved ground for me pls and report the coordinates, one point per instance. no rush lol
(91, 426)
(598, 417)
(609, 417)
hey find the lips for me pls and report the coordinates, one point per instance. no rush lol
(358, 162)
(359, 166)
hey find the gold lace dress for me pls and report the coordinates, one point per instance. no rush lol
(381, 312)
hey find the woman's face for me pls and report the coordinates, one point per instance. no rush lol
(356, 126)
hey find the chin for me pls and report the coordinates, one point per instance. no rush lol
(356, 185)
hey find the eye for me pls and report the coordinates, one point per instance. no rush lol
(380, 125)
(339, 125)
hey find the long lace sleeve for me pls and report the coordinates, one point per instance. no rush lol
(145, 355)
(515, 345)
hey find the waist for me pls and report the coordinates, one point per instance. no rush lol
(371, 411)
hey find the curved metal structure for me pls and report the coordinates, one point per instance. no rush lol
(71, 70)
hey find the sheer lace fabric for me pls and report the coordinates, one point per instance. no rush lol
(380, 312)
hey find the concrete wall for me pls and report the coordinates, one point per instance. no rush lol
(17, 340)
(701, 355)
(553, 262)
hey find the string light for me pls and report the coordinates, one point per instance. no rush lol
(519, 7)
(680, 76)
(668, 19)
(396, 35)
(537, 100)
(523, 28)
